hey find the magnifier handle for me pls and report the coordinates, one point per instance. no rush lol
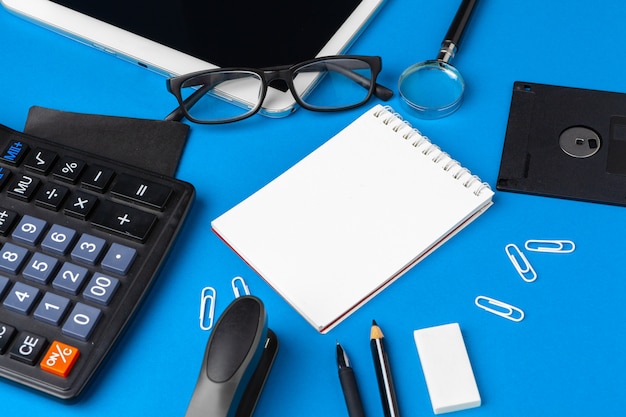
(451, 41)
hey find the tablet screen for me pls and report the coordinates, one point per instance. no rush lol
(248, 33)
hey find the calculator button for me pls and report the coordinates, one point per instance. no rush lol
(50, 196)
(119, 258)
(14, 152)
(97, 178)
(81, 321)
(68, 169)
(51, 308)
(40, 267)
(12, 258)
(6, 334)
(58, 239)
(101, 289)
(40, 160)
(88, 249)
(4, 284)
(7, 219)
(21, 298)
(4, 176)
(29, 230)
(28, 347)
(70, 278)
(141, 191)
(60, 359)
(80, 204)
(122, 219)
(23, 187)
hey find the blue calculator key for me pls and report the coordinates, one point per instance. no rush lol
(14, 152)
(70, 278)
(119, 258)
(40, 268)
(88, 249)
(81, 321)
(21, 298)
(4, 176)
(12, 257)
(58, 239)
(51, 308)
(29, 230)
(101, 289)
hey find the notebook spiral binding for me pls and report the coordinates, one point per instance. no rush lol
(429, 149)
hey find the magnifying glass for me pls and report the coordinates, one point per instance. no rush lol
(434, 88)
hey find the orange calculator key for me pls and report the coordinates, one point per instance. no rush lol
(60, 359)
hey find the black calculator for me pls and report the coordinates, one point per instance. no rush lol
(81, 240)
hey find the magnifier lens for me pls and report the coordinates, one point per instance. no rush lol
(433, 88)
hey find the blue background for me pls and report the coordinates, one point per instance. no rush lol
(565, 358)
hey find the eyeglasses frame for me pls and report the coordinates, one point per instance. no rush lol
(270, 74)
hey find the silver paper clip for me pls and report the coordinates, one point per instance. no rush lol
(524, 269)
(499, 308)
(239, 282)
(552, 246)
(207, 303)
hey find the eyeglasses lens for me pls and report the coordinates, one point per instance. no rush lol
(210, 95)
(341, 83)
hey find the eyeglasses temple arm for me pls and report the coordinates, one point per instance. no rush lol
(178, 113)
(380, 91)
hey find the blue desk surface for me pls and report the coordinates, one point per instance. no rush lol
(565, 358)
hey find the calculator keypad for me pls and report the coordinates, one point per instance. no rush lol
(81, 239)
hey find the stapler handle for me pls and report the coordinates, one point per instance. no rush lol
(232, 355)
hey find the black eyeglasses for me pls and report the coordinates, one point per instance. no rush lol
(341, 82)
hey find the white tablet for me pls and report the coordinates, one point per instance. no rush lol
(175, 37)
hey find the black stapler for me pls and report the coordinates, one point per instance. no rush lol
(237, 361)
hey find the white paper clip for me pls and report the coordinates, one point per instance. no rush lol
(499, 308)
(551, 246)
(239, 282)
(207, 308)
(524, 269)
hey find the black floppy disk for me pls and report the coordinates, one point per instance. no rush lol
(565, 142)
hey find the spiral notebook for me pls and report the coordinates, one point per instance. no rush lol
(343, 223)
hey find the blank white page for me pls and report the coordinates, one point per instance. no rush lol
(349, 218)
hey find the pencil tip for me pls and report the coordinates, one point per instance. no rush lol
(376, 333)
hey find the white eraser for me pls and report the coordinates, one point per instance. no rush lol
(447, 369)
